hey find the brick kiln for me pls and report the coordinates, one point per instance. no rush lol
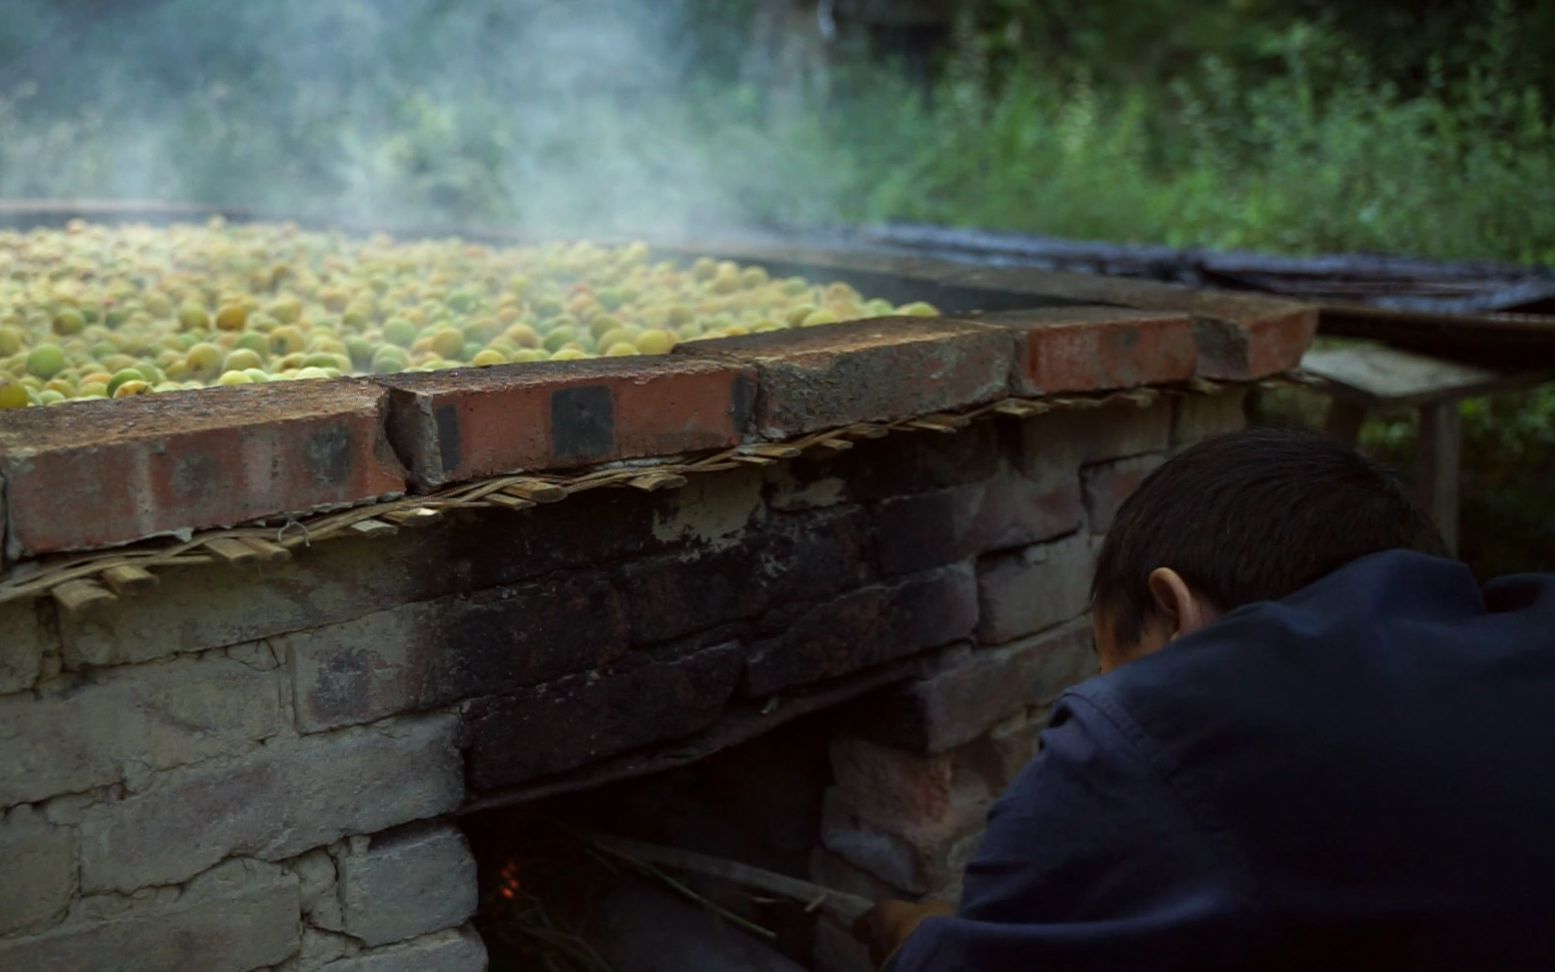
(392, 602)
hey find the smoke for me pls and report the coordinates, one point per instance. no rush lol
(557, 117)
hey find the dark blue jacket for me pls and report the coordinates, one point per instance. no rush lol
(1359, 776)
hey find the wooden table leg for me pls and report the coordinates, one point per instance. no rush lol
(1344, 420)
(1436, 466)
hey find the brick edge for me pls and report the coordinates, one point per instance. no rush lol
(1233, 337)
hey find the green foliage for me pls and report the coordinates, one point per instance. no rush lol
(1321, 156)
(1261, 125)
(1508, 467)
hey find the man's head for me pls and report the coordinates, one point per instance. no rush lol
(1250, 516)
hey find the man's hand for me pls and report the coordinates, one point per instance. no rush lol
(887, 926)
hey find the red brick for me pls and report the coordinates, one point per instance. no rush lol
(1093, 348)
(93, 474)
(1108, 484)
(1242, 338)
(876, 370)
(457, 425)
(1239, 336)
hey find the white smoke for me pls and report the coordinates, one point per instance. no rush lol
(557, 117)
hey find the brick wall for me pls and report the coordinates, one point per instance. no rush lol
(259, 766)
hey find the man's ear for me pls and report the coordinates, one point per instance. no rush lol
(1184, 611)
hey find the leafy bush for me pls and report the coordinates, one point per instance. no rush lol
(1249, 127)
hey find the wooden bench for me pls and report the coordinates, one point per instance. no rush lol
(1360, 378)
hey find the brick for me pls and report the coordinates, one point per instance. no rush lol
(457, 425)
(908, 791)
(23, 639)
(1053, 446)
(798, 556)
(317, 948)
(1094, 348)
(320, 896)
(970, 692)
(1001, 754)
(102, 473)
(1108, 484)
(899, 788)
(829, 870)
(1025, 591)
(679, 593)
(575, 720)
(867, 627)
(919, 859)
(456, 950)
(431, 653)
(1199, 417)
(407, 884)
(193, 610)
(40, 871)
(894, 465)
(274, 803)
(709, 511)
(1238, 336)
(927, 529)
(1243, 338)
(122, 723)
(865, 371)
(235, 917)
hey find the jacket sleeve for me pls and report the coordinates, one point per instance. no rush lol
(1092, 860)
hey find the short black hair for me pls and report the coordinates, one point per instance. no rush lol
(1253, 516)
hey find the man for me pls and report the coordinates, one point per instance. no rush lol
(1316, 744)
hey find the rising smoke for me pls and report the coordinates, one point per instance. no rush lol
(585, 116)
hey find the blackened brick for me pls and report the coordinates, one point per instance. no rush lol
(678, 593)
(898, 464)
(1201, 416)
(576, 720)
(867, 627)
(431, 653)
(326, 583)
(949, 525)
(798, 556)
